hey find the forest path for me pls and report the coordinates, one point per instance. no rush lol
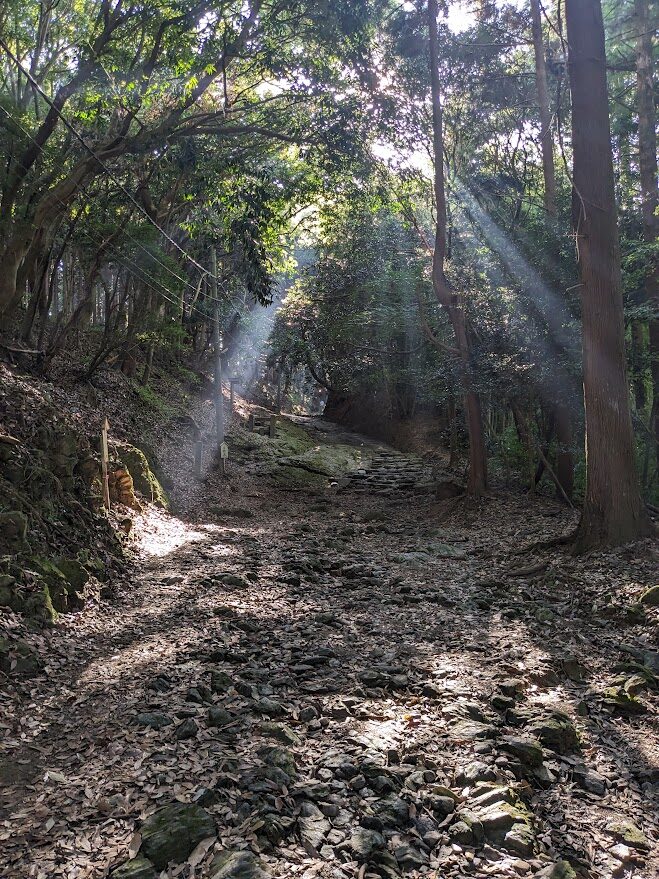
(347, 688)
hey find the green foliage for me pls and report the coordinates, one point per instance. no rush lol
(152, 399)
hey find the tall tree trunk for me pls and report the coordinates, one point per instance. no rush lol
(562, 413)
(546, 143)
(613, 512)
(647, 160)
(477, 478)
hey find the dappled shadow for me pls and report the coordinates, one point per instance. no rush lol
(365, 611)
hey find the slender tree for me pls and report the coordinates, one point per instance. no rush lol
(546, 143)
(477, 478)
(562, 412)
(647, 163)
(613, 512)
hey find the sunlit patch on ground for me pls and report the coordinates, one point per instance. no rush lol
(158, 534)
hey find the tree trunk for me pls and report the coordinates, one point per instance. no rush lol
(564, 453)
(526, 441)
(546, 144)
(613, 512)
(453, 433)
(647, 160)
(477, 477)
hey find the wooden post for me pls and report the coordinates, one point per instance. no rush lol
(198, 454)
(224, 456)
(279, 389)
(251, 423)
(273, 426)
(105, 459)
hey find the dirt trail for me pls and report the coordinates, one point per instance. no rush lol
(347, 688)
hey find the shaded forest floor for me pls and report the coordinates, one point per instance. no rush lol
(350, 682)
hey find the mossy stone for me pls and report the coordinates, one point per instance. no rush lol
(63, 594)
(527, 751)
(559, 870)
(137, 868)
(279, 731)
(39, 606)
(144, 479)
(75, 573)
(651, 597)
(279, 758)
(629, 833)
(237, 865)
(173, 832)
(296, 479)
(13, 531)
(556, 732)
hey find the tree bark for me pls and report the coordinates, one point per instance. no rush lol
(647, 161)
(546, 143)
(477, 477)
(613, 512)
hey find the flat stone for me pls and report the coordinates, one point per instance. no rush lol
(472, 729)
(489, 797)
(629, 833)
(153, 719)
(476, 771)
(218, 716)
(237, 865)
(590, 780)
(498, 816)
(279, 731)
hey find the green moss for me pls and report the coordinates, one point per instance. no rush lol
(331, 461)
(153, 400)
(144, 479)
(75, 573)
(39, 606)
(629, 833)
(296, 479)
(651, 597)
(64, 594)
(173, 832)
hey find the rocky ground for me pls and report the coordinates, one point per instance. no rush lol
(339, 676)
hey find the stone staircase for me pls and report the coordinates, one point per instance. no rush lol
(391, 471)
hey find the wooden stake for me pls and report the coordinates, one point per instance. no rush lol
(105, 459)
(273, 426)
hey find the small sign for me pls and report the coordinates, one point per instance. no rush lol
(224, 450)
